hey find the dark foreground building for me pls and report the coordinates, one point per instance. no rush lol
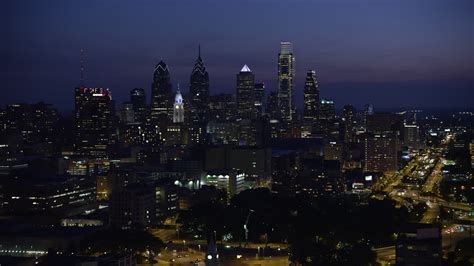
(419, 244)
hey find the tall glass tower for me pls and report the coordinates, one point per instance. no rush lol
(199, 90)
(245, 93)
(311, 97)
(161, 95)
(259, 94)
(138, 100)
(93, 121)
(286, 74)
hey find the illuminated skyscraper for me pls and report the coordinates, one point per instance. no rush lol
(381, 152)
(259, 94)
(286, 73)
(161, 94)
(311, 96)
(411, 136)
(178, 109)
(326, 122)
(93, 120)
(382, 142)
(326, 110)
(349, 114)
(199, 90)
(245, 93)
(138, 100)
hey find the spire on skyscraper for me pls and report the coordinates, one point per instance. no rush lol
(199, 48)
(178, 97)
(81, 82)
(245, 68)
(178, 110)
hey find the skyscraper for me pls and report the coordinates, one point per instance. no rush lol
(326, 110)
(161, 94)
(178, 109)
(138, 100)
(222, 107)
(286, 73)
(382, 142)
(199, 90)
(272, 106)
(411, 136)
(381, 152)
(93, 119)
(326, 123)
(259, 94)
(245, 93)
(349, 114)
(311, 97)
(127, 114)
(368, 110)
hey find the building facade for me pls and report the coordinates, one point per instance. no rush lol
(132, 207)
(259, 95)
(138, 100)
(286, 74)
(349, 116)
(230, 180)
(245, 93)
(65, 195)
(93, 121)
(199, 91)
(161, 94)
(178, 108)
(311, 97)
(381, 152)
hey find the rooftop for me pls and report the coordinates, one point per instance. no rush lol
(245, 68)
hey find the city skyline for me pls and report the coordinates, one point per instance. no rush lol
(372, 68)
(254, 132)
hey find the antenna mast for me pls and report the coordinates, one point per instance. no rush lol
(81, 83)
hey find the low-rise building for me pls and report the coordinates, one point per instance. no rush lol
(231, 180)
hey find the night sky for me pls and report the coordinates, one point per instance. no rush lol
(388, 53)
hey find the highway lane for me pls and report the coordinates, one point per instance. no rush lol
(431, 215)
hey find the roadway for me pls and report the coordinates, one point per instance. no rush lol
(450, 236)
(431, 215)
(434, 179)
(385, 255)
(419, 181)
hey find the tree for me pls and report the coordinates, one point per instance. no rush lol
(115, 240)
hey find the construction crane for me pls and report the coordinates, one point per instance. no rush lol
(246, 229)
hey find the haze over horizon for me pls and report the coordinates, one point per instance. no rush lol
(387, 53)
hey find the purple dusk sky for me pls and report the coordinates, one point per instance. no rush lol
(388, 53)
